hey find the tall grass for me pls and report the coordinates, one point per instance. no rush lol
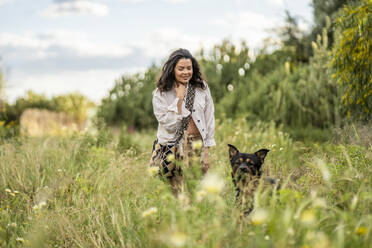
(82, 192)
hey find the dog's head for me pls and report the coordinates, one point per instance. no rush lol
(246, 163)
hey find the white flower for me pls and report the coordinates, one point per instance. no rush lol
(35, 208)
(177, 239)
(212, 183)
(259, 216)
(219, 67)
(13, 224)
(149, 212)
(153, 170)
(241, 72)
(8, 191)
(230, 87)
(42, 204)
(226, 58)
(20, 240)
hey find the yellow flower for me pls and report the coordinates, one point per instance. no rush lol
(361, 230)
(170, 157)
(8, 191)
(200, 195)
(153, 170)
(12, 194)
(35, 208)
(212, 183)
(197, 145)
(308, 217)
(149, 212)
(259, 216)
(177, 239)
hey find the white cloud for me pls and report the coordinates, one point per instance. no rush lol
(60, 43)
(165, 1)
(159, 43)
(2, 2)
(75, 7)
(92, 83)
(249, 26)
(277, 2)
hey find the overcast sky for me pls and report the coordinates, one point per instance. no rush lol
(60, 46)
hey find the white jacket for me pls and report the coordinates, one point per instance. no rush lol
(166, 112)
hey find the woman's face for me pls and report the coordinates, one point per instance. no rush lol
(183, 71)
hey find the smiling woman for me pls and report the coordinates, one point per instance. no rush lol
(184, 109)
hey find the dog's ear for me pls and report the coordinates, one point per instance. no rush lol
(232, 151)
(261, 154)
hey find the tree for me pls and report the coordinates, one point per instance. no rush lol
(323, 9)
(352, 60)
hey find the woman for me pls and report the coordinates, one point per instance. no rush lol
(184, 109)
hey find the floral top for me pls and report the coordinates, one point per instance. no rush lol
(166, 112)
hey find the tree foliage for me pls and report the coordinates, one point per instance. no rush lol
(130, 100)
(352, 59)
(74, 104)
(324, 10)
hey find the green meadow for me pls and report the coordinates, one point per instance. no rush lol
(92, 190)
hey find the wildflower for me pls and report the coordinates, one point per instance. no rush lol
(197, 145)
(230, 87)
(153, 170)
(308, 217)
(170, 157)
(212, 183)
(59, 170)
(35, 208)
(361, 230)
(20, 240)
(281, 149)
(15, 192)
(12, 194)
(178, 239)
(354, 202)
(259, 216)
(319, 203)
(290, 231)
(149, 212)
(8, 191)
(267, 237)
(42, 204)
(241, 72)
(200, 195)
(13, 224)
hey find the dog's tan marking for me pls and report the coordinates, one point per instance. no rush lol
(240, 160)
(247, 160)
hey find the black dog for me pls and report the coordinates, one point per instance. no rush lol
(246, 173)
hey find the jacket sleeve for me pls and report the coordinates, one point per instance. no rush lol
(209, 120)
(167, 115)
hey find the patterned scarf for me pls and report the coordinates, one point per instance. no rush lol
(190, 96)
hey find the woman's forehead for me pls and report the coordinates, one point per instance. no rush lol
(184, 62)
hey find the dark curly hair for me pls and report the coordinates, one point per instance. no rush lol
(167, 78)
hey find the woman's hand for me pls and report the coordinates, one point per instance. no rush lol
(180, 90)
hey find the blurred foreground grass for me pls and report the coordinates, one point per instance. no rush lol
(94, 191)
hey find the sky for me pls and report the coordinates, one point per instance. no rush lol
(57, 47)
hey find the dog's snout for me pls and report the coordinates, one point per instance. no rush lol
(243, 168)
